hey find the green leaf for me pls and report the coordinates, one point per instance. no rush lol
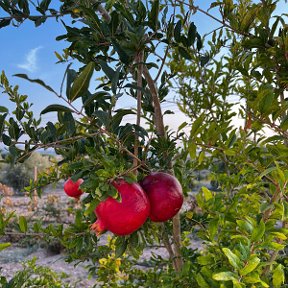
(191, 34)
(103, 117)
(38, 81)
(284, 123)
(4, 245)
(71, 75)
(115, 21)
(23, 224)
(199, 43)
(258, 232)
(201, 157)
(55, 108)
(251, 265)
(98, 96)
(278, 276)
(279, 235)
(81, 83)
(207, 193)
(232, 258)
(2, 123)
(107, 70)
(24, 6)
(117, 118)
(5, 22)
(276, 246)
(267, 171)
(14, 130)
(266, 98)
(3, 109)
(184, 53)
(197, 124)
(183, 125)
(205, 260)
(204, 60)
(177, 31)
(248, 19)
(121, 246)
(59, 57)
(230, 152)
(69, 123)
(44, 5)
(213, 228)
(224, 276)
(124, 57)
(201, 281)
(154, 15)
(192, 149)
(6, 140)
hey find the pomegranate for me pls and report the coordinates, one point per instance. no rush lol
(72, 188)
(165, 195)
(125, 216)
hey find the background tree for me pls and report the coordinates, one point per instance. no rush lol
(20, 175)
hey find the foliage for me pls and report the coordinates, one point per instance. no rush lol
(18, 176)
(243, 226)
(35, 276)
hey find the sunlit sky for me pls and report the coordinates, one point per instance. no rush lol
(30, 50)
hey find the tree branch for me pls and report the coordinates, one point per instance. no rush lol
(158, 117)
(177, 242)
(139, 106)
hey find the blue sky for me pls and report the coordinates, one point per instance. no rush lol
(30, 50)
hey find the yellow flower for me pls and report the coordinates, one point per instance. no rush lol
(75, 11)
(102, 261)
(118, 262)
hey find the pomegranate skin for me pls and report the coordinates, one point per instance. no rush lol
(125, 216)
(165, 195)
(72, 188)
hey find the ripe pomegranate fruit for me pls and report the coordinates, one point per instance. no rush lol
(165, 195)
(125, 216)
(72, 188)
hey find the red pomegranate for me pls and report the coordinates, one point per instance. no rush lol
(125, 216)
(72, 188)
(165, 195)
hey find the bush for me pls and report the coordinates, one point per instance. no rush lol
(35, 276)
(19, 175)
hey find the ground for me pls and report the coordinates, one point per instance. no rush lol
(47, 209)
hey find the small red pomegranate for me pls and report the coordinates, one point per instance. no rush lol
(165, 195)
(125, 216)
(72, 188)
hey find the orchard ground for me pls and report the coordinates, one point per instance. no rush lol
(52, 255)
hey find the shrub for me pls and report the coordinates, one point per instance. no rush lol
(19, 175)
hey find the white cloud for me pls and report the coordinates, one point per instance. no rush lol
(30, 63)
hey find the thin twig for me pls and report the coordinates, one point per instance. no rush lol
(222, 22)
(162, 64)
(33, 17)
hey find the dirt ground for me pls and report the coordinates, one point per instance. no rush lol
(47, 206)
